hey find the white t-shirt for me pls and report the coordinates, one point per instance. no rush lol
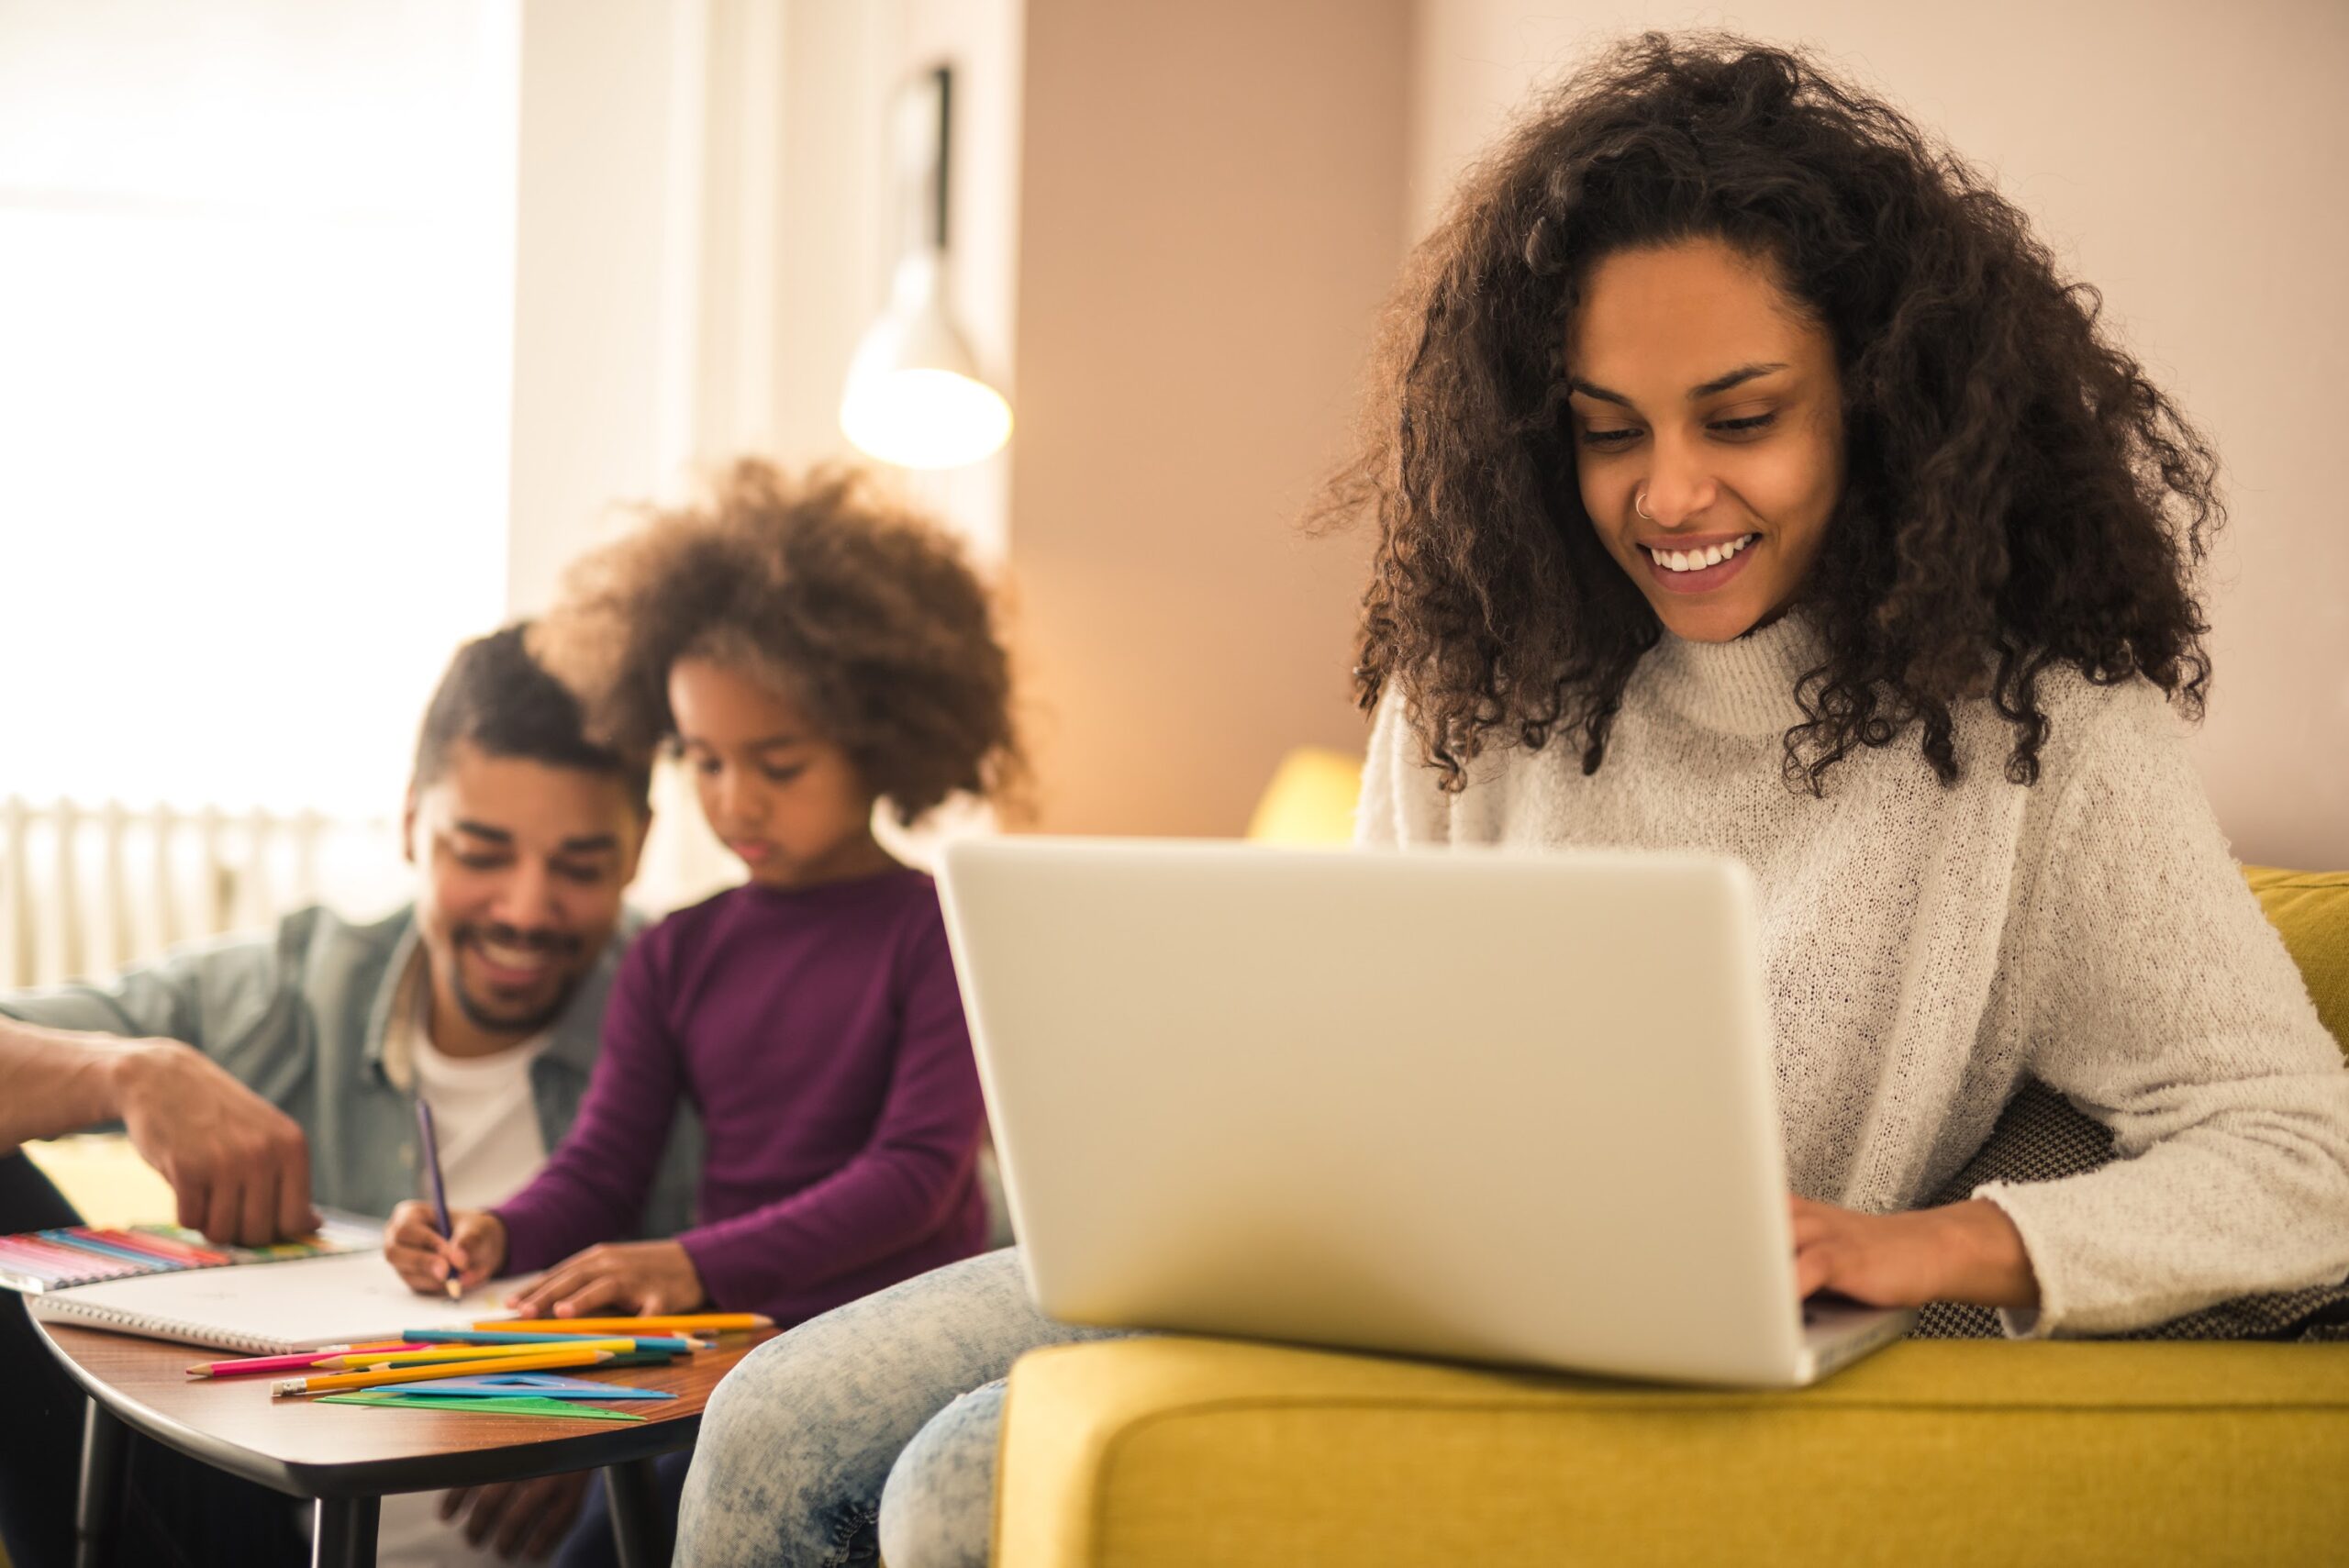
(487, 1125)
(485, 1119)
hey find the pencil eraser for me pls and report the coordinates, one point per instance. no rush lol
(280, 1389)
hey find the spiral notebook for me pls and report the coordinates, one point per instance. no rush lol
(288, 1306)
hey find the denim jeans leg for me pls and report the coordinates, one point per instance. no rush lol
(938, 1508)
(799, 1440)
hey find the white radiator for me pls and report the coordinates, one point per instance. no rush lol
(86, 890)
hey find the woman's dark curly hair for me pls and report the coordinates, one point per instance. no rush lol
(864, 614)
(2019, 495)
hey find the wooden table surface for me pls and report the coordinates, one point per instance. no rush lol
(308, 1450)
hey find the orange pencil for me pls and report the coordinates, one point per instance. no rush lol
(355, 1360)
(494, 1367)
(709, 1322)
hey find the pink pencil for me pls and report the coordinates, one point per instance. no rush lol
(292, 1363)
(66, 1263)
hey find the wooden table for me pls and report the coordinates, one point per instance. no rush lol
(346, 1457)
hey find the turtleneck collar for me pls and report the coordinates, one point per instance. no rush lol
(1744, 686)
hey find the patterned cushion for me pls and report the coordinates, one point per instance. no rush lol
(2041, 1138)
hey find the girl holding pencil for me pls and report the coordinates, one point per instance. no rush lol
(811, 652)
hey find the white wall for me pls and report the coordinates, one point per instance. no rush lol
(704, 231)
(2188, 163)
(606, 270)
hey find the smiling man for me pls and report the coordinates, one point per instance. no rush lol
(261, 1074)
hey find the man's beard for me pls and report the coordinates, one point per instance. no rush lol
(556, 944)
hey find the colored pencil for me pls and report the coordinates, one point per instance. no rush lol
(440, 1189)
(162, 1249)
(618, 1347)
(65, 1262)
(686, 1323)
(246, 1365)
(84, 1242)
(681, 1344)
(495, 1366)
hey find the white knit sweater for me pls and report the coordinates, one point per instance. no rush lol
(1925, 947)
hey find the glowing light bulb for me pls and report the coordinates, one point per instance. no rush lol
(914, 397)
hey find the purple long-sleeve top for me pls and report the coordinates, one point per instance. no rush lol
(820, 1035)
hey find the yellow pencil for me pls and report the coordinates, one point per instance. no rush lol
(710, 1322)
(494, 1367)
(355, 1359)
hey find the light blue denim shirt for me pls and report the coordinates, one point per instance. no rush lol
(299, 1018)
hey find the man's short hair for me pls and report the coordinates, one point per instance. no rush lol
(497, 698)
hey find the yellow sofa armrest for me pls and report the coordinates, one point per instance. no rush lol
(1153, 1453)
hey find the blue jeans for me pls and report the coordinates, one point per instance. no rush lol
(869, 1430)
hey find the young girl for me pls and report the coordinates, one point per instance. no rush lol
(809, 652)
(1748, 480)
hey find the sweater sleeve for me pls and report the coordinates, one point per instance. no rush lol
(595, 1185)
(1401, 802)
(901, 1186)
(2164, 1005)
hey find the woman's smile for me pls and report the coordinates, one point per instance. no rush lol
(1698, 565)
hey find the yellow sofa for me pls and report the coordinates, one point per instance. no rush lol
(1148, 1453)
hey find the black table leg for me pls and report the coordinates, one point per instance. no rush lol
(97, 1510)
(639, 1534)
(345, 1533)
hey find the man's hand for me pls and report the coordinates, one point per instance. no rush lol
(646, 1278)
(1967, 1252)
(414, 1247)
(529, 1517)
(238, 1165)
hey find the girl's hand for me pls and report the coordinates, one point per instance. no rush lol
(639, 1278)
(415, 1249)
(1967, 1252)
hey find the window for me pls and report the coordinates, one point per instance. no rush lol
(256, 264)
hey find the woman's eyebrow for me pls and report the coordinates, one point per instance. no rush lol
(1723, 383)
(766, 743)
(1718, 384)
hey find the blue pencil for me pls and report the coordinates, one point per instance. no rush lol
(108, 1249)
(509, 1337)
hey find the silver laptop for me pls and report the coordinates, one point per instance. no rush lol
(1469, 1104)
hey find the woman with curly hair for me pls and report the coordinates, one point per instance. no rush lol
(809, 650)
(1748, 480)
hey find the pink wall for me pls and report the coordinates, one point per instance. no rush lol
(1210, 214)
(2190, 164)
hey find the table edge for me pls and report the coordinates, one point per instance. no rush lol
(613, 1443)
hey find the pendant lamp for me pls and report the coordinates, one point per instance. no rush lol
(914, 395)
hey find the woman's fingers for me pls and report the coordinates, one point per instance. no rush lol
(1814, 1269)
